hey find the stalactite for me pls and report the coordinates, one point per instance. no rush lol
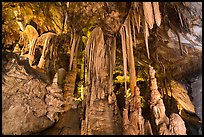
(148, 13)
(157, 14)
(101, 110)
(131, 125)
(49, 42)
(31, 34)
(124, 55)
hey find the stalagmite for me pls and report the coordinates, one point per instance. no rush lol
(176, 124)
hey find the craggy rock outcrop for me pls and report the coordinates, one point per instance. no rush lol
(26, 105)
(23, 106)
(21, 120)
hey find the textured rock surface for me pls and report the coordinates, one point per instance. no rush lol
(174, 125)
(20, 120)
(177, 125)
(23, 106)
(197, 95)
(68, 124)
(180, 94)
(69, 121)
(21, 98)
(29, 105)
